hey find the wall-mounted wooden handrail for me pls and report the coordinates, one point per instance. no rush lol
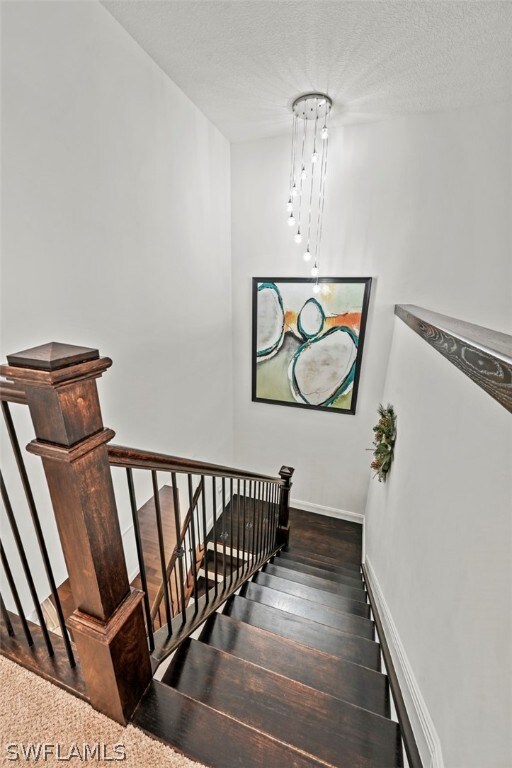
(121, 456)
(484, 355)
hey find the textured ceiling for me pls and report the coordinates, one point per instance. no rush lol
(243, 61)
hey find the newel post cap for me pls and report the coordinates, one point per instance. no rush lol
(54, 363)
(52, 356)
(286, 473)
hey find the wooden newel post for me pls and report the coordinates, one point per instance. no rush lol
(108, 623)
(283, 530)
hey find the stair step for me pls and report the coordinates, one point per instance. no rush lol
(342, 590)
(355, 684)
(341, 644)
(207, 736)
(321, 573)
(314, 722)
(317, 596)
(338, 560)
(322, 614)
(349, 573)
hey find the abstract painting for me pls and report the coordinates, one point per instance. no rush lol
(307, 347)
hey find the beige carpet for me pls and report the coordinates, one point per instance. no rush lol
(35, 711)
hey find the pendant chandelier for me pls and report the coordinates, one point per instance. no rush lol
(306, 199)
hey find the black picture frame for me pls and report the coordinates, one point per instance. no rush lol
(367, 282)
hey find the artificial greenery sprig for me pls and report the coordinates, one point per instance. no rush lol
(384, 442)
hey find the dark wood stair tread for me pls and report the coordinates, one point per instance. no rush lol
(320, 572)
(338, 561)
(349, 573)
(350, 682)
(318, 596)
(315, 581)
(342, 644)
(324, 727)
(205, 735)
(322, 614)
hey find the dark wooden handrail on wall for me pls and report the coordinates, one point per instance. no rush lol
(484, 355)
(111, 626)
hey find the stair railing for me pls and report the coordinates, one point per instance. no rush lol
(107, 645)
(236, 521)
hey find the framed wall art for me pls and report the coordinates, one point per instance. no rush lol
(307, 347)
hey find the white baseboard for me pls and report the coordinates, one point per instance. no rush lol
(424, 730)
(319, 509)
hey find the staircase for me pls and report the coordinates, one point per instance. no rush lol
(260, 611)
(288, 674)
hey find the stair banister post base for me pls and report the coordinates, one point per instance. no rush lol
(283, 529)
(59, 381)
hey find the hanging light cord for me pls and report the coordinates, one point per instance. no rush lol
(321, 199)
(312, 178)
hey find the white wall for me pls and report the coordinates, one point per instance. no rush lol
(439, 540)
(418, 203)
(116, 233)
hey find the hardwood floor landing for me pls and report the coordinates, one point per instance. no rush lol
(312, 534)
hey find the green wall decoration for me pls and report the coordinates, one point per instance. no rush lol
(384, 438)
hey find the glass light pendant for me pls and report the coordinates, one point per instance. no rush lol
(289, 205)
(307, 255)
(314, 157)
(298, 237)
(291, 219)
(316, 288)
(303, 173)
(314, 271)
(294, 191)
(325, 133)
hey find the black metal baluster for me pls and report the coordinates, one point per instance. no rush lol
(16, 597)
(161, 549)
(266, 544)
(274, 516)
(256, 521)
(244, 510)
(248, 526)
(255, 526)
(6, 618)
(253, 548)
(215, 563)
(199, 491)
(26, 567)
(264, 523)
(224, 534)
(37, 527)
(238, 508)
(260, 521)
(271, 517)
(205, 539)
(193, 537)
(140, 556)
(231, 537)
(176, 589)
(179, 543)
